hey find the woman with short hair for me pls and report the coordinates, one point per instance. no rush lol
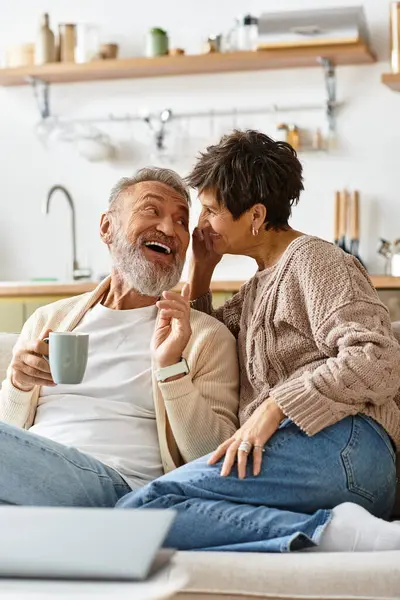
(313, 463)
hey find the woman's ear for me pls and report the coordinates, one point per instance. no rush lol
(259, 214)
(106, 228)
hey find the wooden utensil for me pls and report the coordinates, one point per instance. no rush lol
(355, 224)
(336, 224)
(343, 204)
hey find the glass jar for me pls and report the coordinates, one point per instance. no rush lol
(87, 42)
(246, 33)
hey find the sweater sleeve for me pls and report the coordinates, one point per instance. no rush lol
(229, 313)
(352, 328)
(206, 400)
(15, 405)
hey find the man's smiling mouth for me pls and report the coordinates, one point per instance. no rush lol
(158, 247)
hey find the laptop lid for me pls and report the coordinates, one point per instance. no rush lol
(80, 543)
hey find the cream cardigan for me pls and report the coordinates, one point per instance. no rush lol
(194, 414)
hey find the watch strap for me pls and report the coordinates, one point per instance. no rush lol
(180, 368)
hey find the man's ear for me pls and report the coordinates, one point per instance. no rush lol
(106, 228)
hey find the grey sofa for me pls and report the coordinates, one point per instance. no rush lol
(239, 576)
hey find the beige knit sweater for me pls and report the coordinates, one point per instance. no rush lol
(313, 335)
(194, 414)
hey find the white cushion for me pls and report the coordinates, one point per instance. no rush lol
(7, 342)
(234, 575)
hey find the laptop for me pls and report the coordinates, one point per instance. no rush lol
(82, 543)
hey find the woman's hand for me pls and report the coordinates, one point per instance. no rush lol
(173, 330)
(203, 251)
(256, 432)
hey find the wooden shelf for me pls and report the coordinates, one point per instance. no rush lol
(130, 68)
(392, 80)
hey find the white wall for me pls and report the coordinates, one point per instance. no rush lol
(32, 245)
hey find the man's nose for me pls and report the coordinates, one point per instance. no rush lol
(166, 226)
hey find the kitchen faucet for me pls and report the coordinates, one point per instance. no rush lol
(77, 271)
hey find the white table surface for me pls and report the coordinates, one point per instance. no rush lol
(163, 585)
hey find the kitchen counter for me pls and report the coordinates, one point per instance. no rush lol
(16, 289)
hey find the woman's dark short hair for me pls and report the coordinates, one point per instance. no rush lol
(247, 168)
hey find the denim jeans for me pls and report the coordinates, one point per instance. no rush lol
(289, 504)
(36, 471)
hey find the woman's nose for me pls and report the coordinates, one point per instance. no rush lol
(203, 221)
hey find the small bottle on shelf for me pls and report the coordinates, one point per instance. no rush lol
(293, 136)
(318, 140)
(45, 45)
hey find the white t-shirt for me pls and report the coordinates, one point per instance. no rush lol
(110, 415)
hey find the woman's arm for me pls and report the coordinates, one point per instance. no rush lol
(203, 263)
(352, 328)
(201, 270)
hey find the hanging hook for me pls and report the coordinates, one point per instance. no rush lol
(330, 86)
(41, 90)
(164, 116)
(159, 130)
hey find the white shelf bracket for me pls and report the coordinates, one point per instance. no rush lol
(330, 86)
(41, 91)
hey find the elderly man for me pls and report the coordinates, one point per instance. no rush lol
(142, 408)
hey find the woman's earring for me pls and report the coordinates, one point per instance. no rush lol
(254, 231)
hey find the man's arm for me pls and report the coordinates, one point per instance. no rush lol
(202, 406)
(26, 370)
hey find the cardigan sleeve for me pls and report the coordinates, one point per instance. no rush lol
(15, 405)
(229, 313)
(202, 406)
(352, 328)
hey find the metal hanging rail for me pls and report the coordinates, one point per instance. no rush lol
(41, 91)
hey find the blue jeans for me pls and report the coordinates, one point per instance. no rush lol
(289, 504)
(36, 471)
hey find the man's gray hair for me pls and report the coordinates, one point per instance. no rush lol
(166, 176)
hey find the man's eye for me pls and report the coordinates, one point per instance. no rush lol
(151, 210)
(183, 222)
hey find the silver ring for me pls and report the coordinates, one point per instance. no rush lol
(260, 448)
(245, 447)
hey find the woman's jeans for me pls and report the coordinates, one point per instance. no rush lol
(289, 504)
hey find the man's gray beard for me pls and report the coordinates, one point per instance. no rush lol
(143, 276)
